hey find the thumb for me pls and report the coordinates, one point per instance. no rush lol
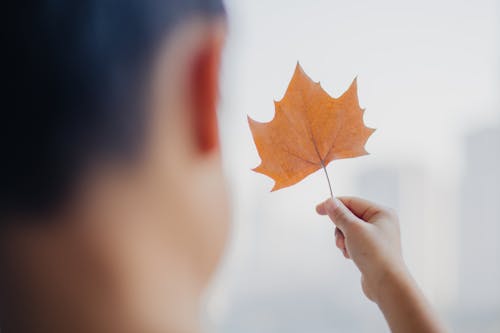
(340, 215)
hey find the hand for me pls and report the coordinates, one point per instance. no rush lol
(369, 235)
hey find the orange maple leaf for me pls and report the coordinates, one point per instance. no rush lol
(309, 130)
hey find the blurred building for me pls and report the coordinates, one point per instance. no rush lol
(428, 235)
(480, 229)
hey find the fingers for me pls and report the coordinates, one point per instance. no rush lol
(343, 219)
(339, 239)
(346, 254)
(338, 213)
(339, 235)
(362, 208)
(320, 209)
(340, 242)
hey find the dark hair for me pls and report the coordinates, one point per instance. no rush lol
(72, 81)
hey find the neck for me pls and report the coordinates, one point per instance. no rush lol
(72, 279)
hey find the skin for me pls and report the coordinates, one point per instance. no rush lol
(134, 246)
(369, 234)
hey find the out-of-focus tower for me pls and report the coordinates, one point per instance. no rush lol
(480, 225)
(420, 199)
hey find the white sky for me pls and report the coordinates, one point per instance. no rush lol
(428, 70)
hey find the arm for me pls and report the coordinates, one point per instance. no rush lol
(369, 235)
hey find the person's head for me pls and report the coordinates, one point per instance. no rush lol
(110, 163)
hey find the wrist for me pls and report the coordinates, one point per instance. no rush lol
(404, 305)
(394, 281)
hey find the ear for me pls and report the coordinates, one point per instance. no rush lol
(205, 94)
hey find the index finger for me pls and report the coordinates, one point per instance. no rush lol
(362, 208)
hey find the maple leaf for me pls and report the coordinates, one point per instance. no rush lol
(309, 130)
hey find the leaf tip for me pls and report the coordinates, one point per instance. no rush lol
(299, 68)
(256, 169)
(259, 169)
(251, 121)
(275, 187)
(354, 83)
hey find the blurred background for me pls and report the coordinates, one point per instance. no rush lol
(429, 76)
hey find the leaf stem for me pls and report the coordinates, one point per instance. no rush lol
(327, 178)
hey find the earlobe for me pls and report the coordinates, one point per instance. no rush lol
(205, 83)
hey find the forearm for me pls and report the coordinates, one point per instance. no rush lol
(405, 307)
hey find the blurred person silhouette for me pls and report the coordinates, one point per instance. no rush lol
(113, 207)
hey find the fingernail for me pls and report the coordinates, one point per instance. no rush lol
(332, 205)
